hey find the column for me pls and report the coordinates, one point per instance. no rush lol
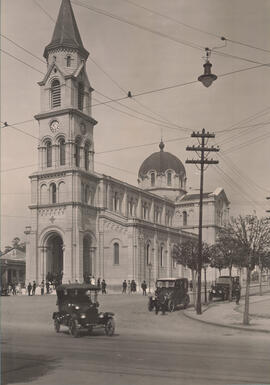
(139, 207)
(124, 207)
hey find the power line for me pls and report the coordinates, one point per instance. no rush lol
(21, 61)
(24, 49)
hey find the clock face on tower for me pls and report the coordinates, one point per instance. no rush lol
(54, 126)
(83, 128)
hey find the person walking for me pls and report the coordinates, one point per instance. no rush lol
(129, 287)
(103, 287)
(29, 288)
(144, 287)
(47, 287)
(98, 283)
(42, 287)
(34, 288)
(124, 285)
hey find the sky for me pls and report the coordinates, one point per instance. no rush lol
(142, 46)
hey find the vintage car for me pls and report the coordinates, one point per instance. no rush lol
(224, 284)
(172, 291)
(78, 310)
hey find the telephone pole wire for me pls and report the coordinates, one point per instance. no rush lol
(202, 151)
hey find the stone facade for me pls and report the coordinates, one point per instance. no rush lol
(85, 223)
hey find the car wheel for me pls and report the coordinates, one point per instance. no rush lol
(73, 328)
(57, 325)
(171, 306)
(110, 327)
(186, 301)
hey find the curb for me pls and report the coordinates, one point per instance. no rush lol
(244, 328)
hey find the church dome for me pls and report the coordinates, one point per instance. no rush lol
(160, 162)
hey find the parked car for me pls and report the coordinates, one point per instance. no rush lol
(174, 291)
(78, 310)
(221, 289)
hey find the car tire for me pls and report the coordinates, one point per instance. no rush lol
(186, 301)
(110, 327)
(57, 325)
(74, 328)
(171, 306)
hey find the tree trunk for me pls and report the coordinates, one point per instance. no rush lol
(194, 283)
(246, 311)
(260, 279)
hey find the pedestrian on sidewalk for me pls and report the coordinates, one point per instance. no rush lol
(34, 288)
(42, 287)
(129, 287)
(29, 288)
(124, 287)
(144, 287)
(103, 287)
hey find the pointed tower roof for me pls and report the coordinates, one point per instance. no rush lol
(66, 33)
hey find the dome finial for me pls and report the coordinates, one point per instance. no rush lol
(161, 145)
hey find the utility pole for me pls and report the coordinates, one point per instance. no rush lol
(202, 151)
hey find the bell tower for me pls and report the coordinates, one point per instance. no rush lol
(64, 186)
(66, 125)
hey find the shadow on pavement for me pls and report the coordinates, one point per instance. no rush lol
(20, 367)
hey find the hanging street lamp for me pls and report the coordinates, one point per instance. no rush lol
(207, 78)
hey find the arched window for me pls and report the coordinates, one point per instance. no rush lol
(116, 254)
(161, 256)
(86, 156)
(82, 192)
(153, 179)
(115, 201)
(53, 192)
(56, 94)
(80, 96)
(61, 192)
(68, 61)
(49, 153)
(62, 152)
(169, 178)
(86, 194)
(184, 218)
(77, 153)
(148, 254)
(43, 194)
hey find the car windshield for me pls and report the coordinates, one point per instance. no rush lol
(79, 296)
(165, 284)
(224, 280)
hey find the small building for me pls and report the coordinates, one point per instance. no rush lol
(12, 265)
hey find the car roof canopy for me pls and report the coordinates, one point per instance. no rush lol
(77, 286)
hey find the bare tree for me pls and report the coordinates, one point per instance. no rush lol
(250, 237)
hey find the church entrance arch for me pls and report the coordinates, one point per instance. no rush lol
(54, 260)
(87, 258)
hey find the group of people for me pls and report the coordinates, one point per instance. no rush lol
(101, 284)
(131, 287)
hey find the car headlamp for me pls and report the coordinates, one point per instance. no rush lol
(83, 316)
(101, 316)
(77, 307)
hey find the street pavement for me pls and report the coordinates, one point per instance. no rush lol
(146, 349)
(228, 314)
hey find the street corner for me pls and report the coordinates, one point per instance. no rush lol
(230, 315)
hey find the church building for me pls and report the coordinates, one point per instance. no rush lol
(83, 222)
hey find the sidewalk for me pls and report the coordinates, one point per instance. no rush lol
(230, 315)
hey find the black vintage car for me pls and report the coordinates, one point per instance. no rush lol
(171, 292)
(224, 284)
(78, 310)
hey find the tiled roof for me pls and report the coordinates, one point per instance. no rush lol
(66, 33)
